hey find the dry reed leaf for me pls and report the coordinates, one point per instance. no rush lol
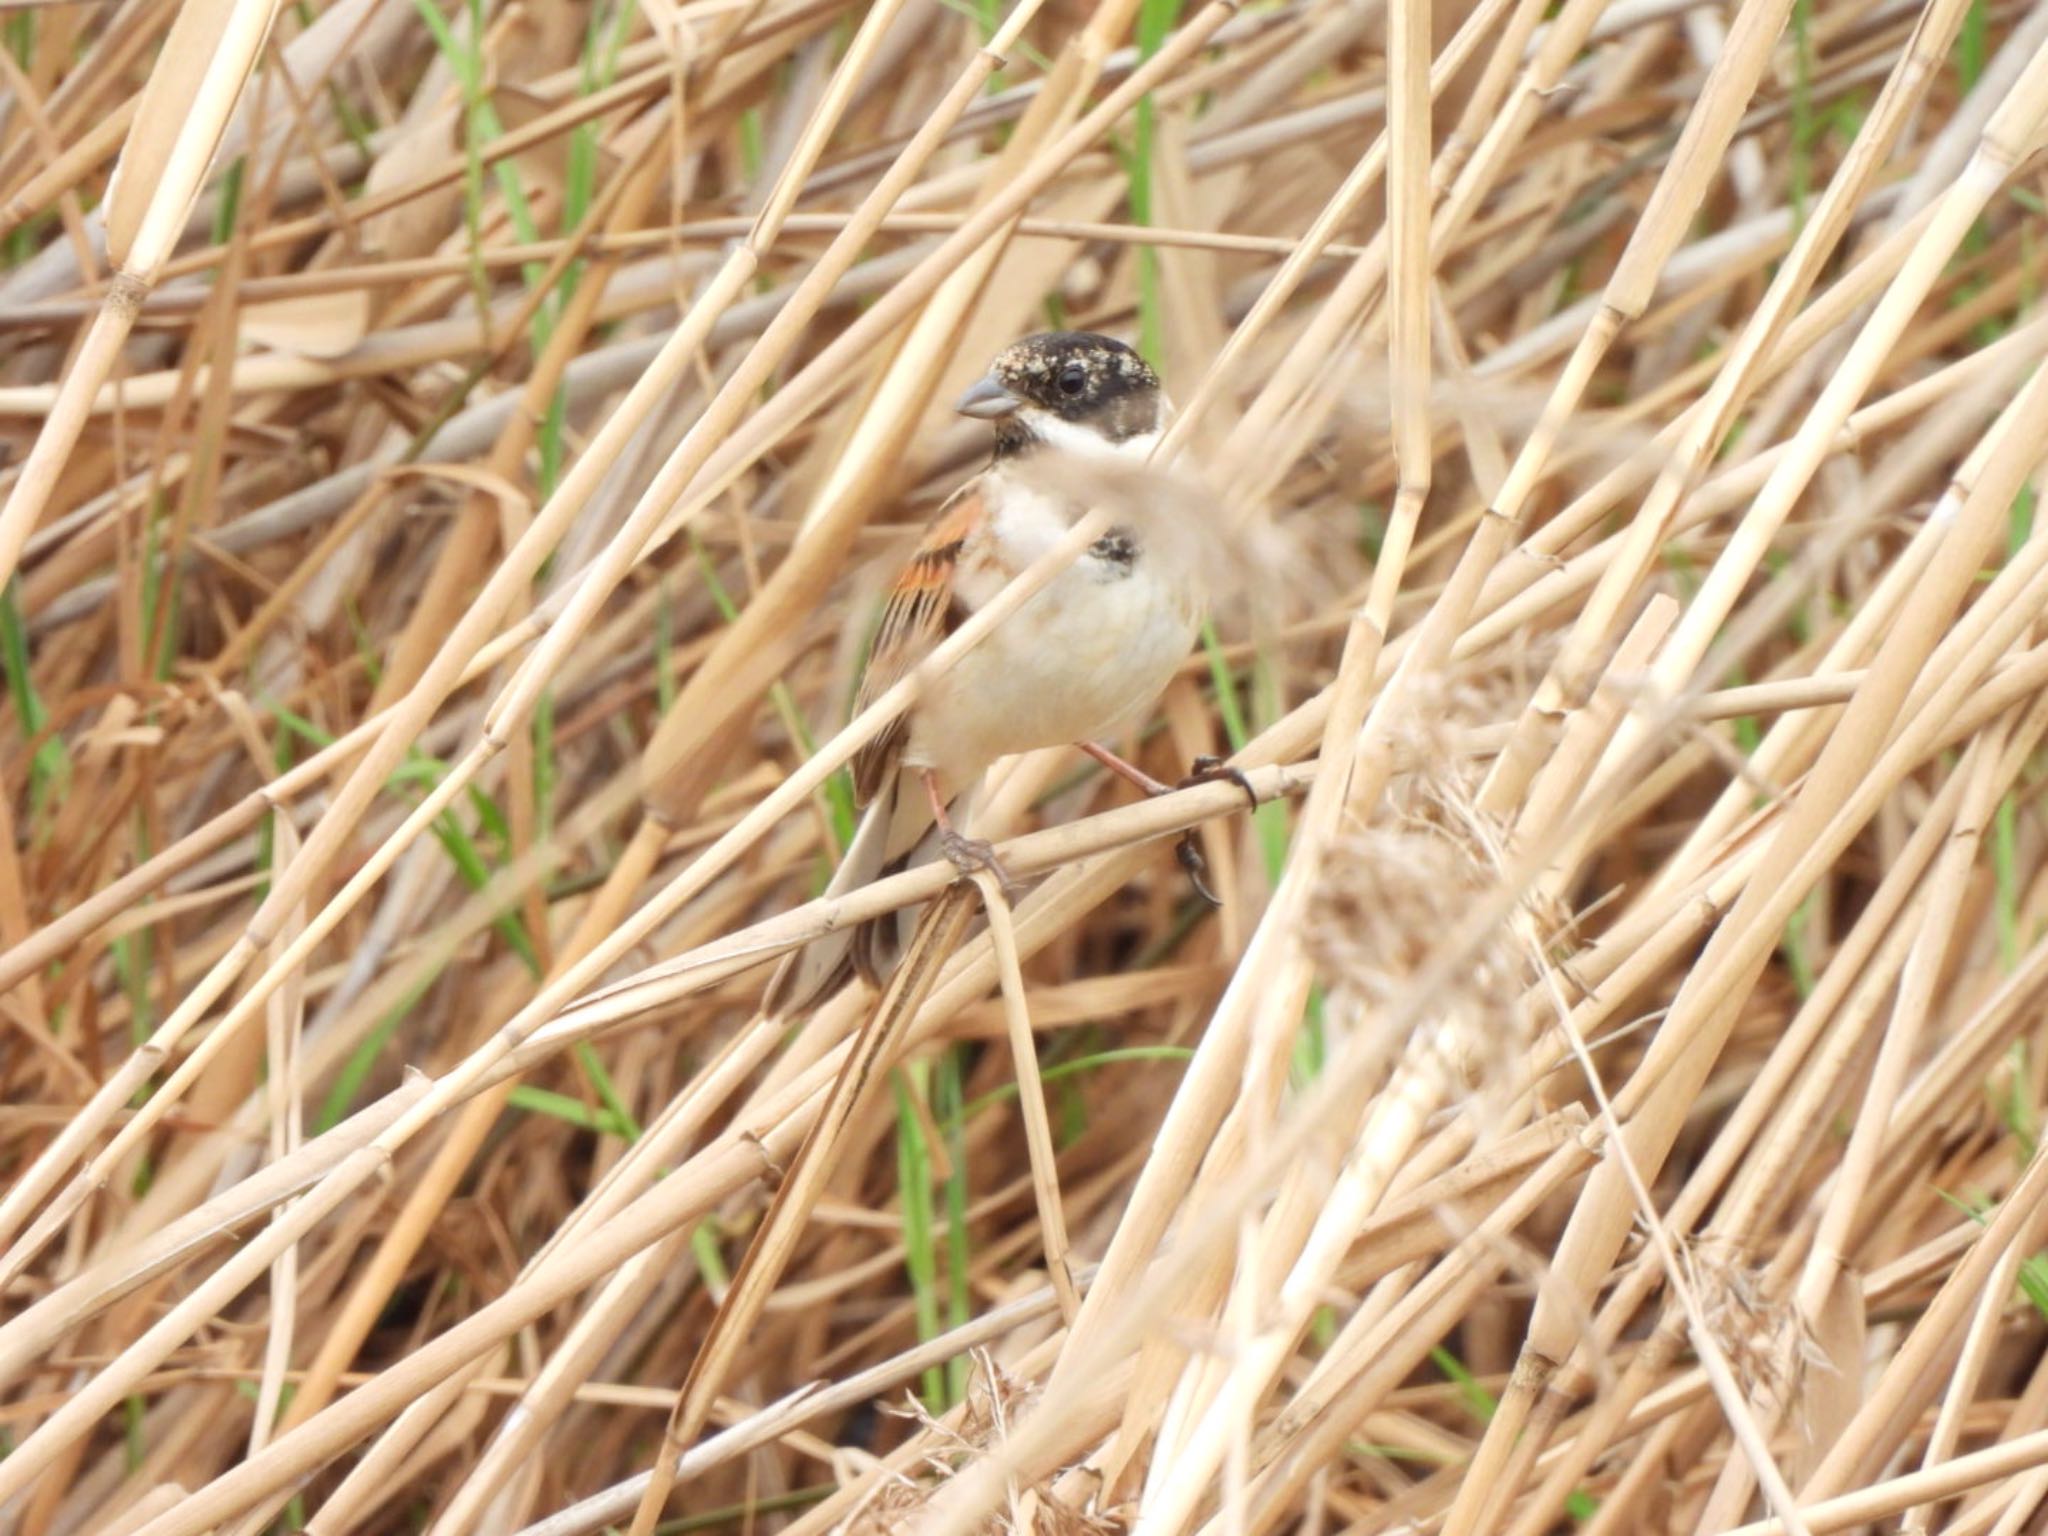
(319, 325)
(425, 141)
(1830, 1387)
(546, 165)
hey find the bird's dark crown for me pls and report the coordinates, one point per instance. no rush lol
(1079, 377)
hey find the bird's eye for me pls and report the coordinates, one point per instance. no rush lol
(1073, 380)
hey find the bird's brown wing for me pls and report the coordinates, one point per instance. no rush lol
(918, 615)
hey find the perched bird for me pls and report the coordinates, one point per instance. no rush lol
(1083, 656)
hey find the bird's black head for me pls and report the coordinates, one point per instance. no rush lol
(1058, 385)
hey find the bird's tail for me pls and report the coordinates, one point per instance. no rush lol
(896, 832)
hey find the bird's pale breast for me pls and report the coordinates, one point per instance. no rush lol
(1092, 649)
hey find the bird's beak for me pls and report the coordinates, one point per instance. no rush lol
(988, 400)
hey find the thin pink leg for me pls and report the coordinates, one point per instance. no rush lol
(1129, 772)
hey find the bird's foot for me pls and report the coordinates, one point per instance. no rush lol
(972, 855)
(1211, 770)
(1207, 770)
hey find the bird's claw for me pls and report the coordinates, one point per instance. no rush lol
(1189, 853)
(1210, 770)
(1207, 770)
(972, 855)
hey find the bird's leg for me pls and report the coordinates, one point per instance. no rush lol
(1129, 772)
(969, 855)
(1206, 770)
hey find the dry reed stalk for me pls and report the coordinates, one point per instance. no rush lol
(578, 1269)
(494, 449)
(1597, 1226)
(207, 56)
(1207, 1414)
(1870, 976)
(1708, 424)
(1045, 1187)
(456, 1151)
(797, 1187)
(464, 638)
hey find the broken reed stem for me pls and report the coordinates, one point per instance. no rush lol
(1045, 1182)
(873, 1051)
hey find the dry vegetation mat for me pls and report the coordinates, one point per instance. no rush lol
(451, 453)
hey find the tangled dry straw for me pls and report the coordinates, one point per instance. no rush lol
(451, 450)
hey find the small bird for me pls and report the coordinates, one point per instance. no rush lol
(1083, 656)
